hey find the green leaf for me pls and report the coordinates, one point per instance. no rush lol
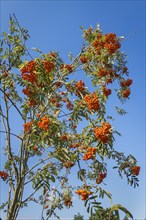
(52, 179)
(88, 209)
(116, 207)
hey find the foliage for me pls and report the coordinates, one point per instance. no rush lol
(110, 213)
(52, 106)
(78, 217)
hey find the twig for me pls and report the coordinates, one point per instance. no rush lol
(12, 103)
(22, 35)
(30, 195)
(11, 134)
(36, 165)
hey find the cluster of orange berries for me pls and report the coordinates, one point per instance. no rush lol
(29, 92)
(55, 101)
(135, 170)
(98, 43)
(80, 85)
(103, 72)
(84, 193)
(100, 178)
(48, 65)
(68, 164)
(125, 86)
(64, 137)
(27, 126)
(44, 123)
(67, 202)
(89, 154)
(75, 145)
(111, 43)
(108, 74)
(92, 101)
(3, 175)
(29, 73)
(68, 67)
(103, 132)
(59, 84)
(106, 91)
(83, 59)
(35, 148)
(7, 94)
(69, 105)
(107, 41)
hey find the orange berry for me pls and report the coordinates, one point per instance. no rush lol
(126, 93)
(83, 59)
(135, 170)
(35, 148)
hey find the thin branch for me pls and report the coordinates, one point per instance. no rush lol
(11, 134)
(65, 115)
(3, 121)
(12, 102)
(37, 165)
(30, 195)
(8, 139)
(22, 35)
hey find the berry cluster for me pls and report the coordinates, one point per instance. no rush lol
(27, 126)
(107, 41)
(69, 105)
(100, 177)
(3, 175)
(92, 101)
(64, 137)
(55, 101)
(90, 153)
(111, 43)
(44, 123)
(135, 170)
(48, 65)
(80, 85)
(67, 201)
(67, 66)
(103, 72)
(68, 164)
(103, 132)
(75, 145)
(125, 87)
(30, 73)
(83, 59)
(84, 193)
(106, 91)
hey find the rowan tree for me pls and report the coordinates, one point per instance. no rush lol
(51, 106)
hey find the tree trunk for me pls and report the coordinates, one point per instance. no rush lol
(16, 202)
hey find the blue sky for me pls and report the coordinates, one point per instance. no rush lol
(54, 25)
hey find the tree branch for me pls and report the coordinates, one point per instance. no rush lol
(8, 139)
(12, 102)
(37, 165)
(30, 195)
(11, 134)
(22, 35)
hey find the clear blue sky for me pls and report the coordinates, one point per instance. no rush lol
(54, 25)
